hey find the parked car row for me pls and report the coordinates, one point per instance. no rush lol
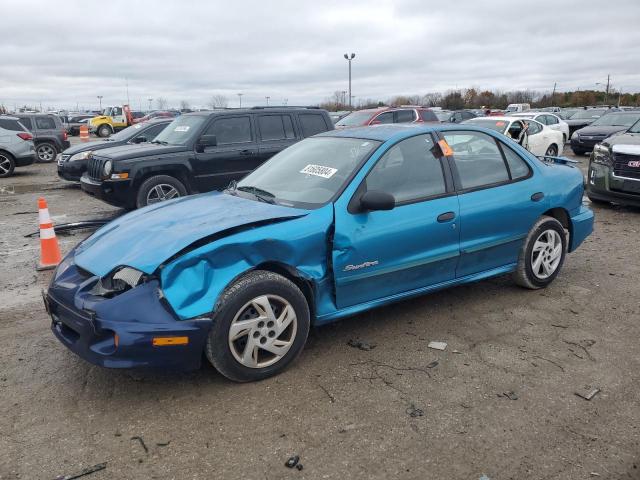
(16, 145)
(49, 135)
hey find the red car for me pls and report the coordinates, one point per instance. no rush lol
(376, 116)
(152, 115)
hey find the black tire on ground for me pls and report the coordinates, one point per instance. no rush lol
(524, 275)
(104, 131)
(46, 152)
(161, 182)
(552, 151)
(578, 152)
(252, 285)
(7, 164)
(597, 201)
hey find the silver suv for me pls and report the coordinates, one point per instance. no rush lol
(16, 146)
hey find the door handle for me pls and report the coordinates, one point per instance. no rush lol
(246, 152)
(536, 197)
(445, 217)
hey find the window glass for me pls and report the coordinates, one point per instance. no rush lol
(9, 124)
(116, 111)
(386, 117)
(408, 171)
(45, 123)
(534, 127)
(231, 130)
(403, 116)
(517, 166)
(151, 132)
(551, 120)
(312, 124)
(26, 121)
(428, 116)
(477, 159)
(275, 127)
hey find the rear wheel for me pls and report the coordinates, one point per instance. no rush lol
(104, 131)
(7, 165)
(159, 188)
(552, 151)
(260, 326)
(542, 254)
(46, 152)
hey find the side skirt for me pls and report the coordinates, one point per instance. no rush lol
(361, 307)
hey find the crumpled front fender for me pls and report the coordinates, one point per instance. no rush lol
(193, 282)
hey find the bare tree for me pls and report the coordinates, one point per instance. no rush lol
(184, 105)
(218, 101)
(432, 99)
(162, 103)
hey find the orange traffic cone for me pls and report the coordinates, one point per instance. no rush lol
(49, 250)
(84, 133)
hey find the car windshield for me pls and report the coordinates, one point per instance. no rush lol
(180, 130)
(497, 125)
(635, 128)
(126, 134)
(354, 119)
(309, 173)
(618, 119)
(587, 114)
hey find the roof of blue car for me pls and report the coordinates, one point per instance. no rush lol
(378, 132)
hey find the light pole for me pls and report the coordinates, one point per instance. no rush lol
(240, 99)
(267, 98)
(150, 100)
(100, 100)
(349, 58)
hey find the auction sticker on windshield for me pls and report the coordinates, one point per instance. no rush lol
(319, 171)
(181, 128)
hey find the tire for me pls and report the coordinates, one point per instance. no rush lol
(104, 131)
(238, 311)
(597, 201)
(530, 275)
(564, 139)
(160, 188)
(578, 152)
(552, 151)
(7, 164)
(46, 152)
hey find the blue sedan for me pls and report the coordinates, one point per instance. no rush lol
(337, 224)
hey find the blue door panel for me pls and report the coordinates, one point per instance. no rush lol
(493, 224)
(377, 254)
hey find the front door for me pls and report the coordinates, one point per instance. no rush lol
(234, 156)
(384, 253)
(500, 200)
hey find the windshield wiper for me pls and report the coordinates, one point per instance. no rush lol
(259, 193)
(159, 142)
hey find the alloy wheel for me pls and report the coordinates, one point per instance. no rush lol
(5, 165)
(162, 192)
(263, 331)
(546, 254)
(552, 151)
(46, 153)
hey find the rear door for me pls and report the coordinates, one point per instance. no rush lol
(414, 245)
(234, 156)
(500, 200)
(275, 133)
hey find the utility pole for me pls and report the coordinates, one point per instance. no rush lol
(553, 95)
(150, 100)
(240, 99)
(100, 100)
(267, 98)
(606, 95)
(349, 58)
(127, 82)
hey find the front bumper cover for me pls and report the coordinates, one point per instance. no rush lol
(88, 325)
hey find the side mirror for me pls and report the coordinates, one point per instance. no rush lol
(139, 139)
(206, 141)
(376, 200)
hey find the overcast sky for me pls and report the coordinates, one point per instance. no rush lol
(65, 53)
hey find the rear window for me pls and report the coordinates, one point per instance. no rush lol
(45, 123)
(9, 124)
(428, 116)
(404, 116)
(275, 127)
(26, 121)
(312, 124)
(355, 119)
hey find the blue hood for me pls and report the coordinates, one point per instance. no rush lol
(147, 237)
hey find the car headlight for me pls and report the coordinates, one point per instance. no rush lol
(575, 135)
(80, 156)
(601, 154)
(108, 166)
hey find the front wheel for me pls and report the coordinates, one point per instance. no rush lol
(260, 326)
(542, 254)
(104, 131)
(159, 188)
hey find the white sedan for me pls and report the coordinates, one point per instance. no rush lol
(539, 139)
(552, 121)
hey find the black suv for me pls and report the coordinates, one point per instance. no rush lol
(49, 134)
(198, 152)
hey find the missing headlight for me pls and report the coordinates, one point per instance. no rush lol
(120, 281)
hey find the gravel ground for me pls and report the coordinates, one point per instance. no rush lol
(399, 410)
